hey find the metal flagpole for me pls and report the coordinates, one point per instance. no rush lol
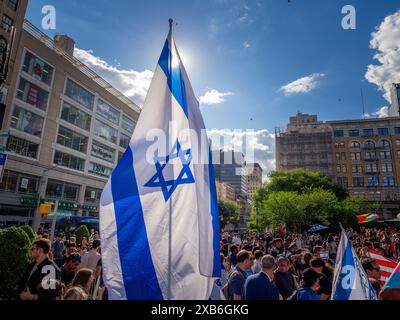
(170, 199)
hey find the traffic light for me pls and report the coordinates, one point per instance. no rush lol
(45, 209)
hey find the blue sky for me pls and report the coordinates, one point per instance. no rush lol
(243, 53)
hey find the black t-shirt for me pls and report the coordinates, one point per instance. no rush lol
(67, 276)
(285, 283)
(325, 286)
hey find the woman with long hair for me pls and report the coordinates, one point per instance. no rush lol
(84, 280)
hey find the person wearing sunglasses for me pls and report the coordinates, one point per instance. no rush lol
(41, 269)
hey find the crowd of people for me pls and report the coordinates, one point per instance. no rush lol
(254, 266)
(64, 270)
(288, 266)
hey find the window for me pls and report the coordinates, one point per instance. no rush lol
(75, 116)
(368, 132)
(355, 144)
(388, 181)
(99, 170)
(79, 94)
(342, 156)
(32, 94)
(338, 133)
(354, 133)
(396, 130)
(370, 155)
(383, 131)
(357, 168)
(92, 194)
(12, 4)
(384, 144)
(373, 181)
(27, 184)
(69, 161)
(71, 139)
(10, 181)
(7, 22)
(344, 168)
(369, 144)
(370, 168)
(386, 155)
(22, 147)
(338, 168)
(387, 167)
(103, 152)
(37, 68)
(337, 155)
(397, 142)
(124, 141)
(128, 124)
(107, 112)
(27, 121)
(104, 131)
(358, 182)
(61, 190)
(343, 181)
(355, 156)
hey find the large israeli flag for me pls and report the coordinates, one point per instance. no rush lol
(350, 281)
(159, 219)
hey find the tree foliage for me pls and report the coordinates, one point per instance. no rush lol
(80, 232)
(14, 259)
(228, 212)
(29, 231)
(298, 199)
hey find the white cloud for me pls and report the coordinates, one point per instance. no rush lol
(262, 144)
(382, 112)
(213, 97)
(386, 41)
(133, 84)
(302, 85)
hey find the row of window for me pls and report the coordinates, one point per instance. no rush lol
(368, 155)
(369, 181)
(28, 184)
(369, 168)
(366, 132)
(367, 144)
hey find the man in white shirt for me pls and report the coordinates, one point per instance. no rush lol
(91, 258)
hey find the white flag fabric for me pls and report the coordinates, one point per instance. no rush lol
(159, 220)
(350, 282)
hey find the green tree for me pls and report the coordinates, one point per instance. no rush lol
(14, 259)
(228, 212)
(29, 231)
(80, 232)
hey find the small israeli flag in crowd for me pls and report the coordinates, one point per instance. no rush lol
(159, 218)
(350, 282)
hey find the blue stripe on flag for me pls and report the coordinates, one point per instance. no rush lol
(174, 76)
(215, 218)
(138, 271)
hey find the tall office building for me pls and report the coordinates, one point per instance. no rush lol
(68, 129)
(254, 178)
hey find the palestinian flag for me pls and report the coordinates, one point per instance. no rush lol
(364, 218)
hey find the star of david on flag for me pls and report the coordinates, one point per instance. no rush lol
(168, 186)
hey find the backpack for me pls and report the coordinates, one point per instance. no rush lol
(225, 288)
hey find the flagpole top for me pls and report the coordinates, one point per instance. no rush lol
(170, 20)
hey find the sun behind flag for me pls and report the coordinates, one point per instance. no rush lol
(159, 218)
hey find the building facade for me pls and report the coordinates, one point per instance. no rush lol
(68, 129)
(254, 178)
(363, 155)
(225, 191)
(394, 110)
(306, 143)
(367, 159)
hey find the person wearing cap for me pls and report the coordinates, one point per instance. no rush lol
(260, 286)
(284, 279)
(309, 286)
